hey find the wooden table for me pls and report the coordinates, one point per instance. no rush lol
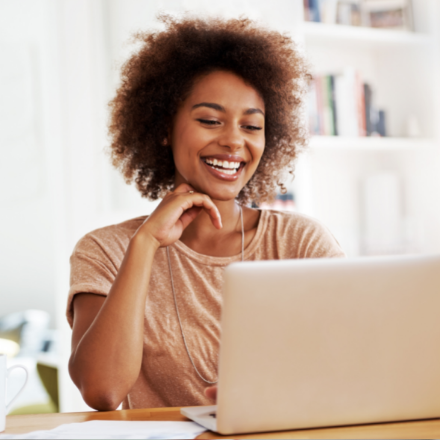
(426, 429)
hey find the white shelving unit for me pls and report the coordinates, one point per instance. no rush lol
(373, 144)
(363, 35)
(404, 70)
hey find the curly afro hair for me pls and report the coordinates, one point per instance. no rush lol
(159, 76)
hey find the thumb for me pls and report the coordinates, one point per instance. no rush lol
(211, 393)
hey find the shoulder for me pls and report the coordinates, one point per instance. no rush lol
(293, 222)
(96, 259)
(302, 236)
(109, 239)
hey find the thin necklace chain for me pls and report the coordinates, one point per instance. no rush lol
(177, 308)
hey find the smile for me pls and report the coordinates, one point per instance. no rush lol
(224, 169)
(223, 165)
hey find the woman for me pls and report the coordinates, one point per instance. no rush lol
(208, 118)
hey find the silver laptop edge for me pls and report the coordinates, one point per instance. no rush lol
(337, 341)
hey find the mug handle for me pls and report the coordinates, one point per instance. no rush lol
(22, 388)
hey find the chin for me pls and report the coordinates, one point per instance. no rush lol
(222, 196)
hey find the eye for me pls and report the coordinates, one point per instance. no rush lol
(252, 127)
(208, 121)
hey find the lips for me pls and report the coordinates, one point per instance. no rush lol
(224, 167)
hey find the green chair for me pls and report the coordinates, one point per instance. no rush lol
(49, 377)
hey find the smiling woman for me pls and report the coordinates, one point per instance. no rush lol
(161, 75)
(208, 118)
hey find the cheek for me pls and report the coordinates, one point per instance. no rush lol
(187, 140)
(182, 144)
(257, 150)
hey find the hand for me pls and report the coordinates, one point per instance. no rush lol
(176, 211)
(211, 393)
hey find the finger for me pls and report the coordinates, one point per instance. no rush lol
(183, 188)
(188, 216)
(211, 393)
(207, 204)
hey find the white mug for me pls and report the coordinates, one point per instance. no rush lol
(4, 373)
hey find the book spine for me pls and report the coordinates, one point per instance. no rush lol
(368, 95)
(329, 107)
(306, 10)
(314, 10)
(327, 117)
(328, 10)
(340, 105)
(381, 124)
(333, 104)
(360, 105)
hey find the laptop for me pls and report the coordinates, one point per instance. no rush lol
(327, 342)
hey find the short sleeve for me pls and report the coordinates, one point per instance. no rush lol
(92, 270)
(318, 242)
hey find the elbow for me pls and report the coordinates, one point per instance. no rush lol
(96, 394)
(99, 400)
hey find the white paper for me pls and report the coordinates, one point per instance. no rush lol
(100, 429)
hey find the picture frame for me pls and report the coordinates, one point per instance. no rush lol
(388, 14)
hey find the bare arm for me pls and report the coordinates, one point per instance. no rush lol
(106, 359)
(107, 339)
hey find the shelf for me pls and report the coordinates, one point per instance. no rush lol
(321, 143)
(319, 32)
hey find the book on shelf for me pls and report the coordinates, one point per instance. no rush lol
(385, 14)
(342, 105)
(333, 11)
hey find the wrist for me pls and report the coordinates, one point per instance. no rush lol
(145, 240)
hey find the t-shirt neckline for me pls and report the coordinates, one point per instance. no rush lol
(224, 261)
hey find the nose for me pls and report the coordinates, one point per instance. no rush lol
(232, 138)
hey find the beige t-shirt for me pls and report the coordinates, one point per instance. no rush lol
(167, 377)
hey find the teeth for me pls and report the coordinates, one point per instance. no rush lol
(228, 167)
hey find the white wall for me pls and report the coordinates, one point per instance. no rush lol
(26, 222)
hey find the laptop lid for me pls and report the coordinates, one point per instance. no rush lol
(308, 343)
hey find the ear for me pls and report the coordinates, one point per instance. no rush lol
(167, 140)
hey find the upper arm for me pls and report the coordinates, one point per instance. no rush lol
(86, 307)
(93, 269)
(317, 241)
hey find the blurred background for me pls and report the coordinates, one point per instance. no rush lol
(371, 174)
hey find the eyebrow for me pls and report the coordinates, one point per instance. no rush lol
(220, 108)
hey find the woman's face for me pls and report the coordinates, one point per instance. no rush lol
(218, 135)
